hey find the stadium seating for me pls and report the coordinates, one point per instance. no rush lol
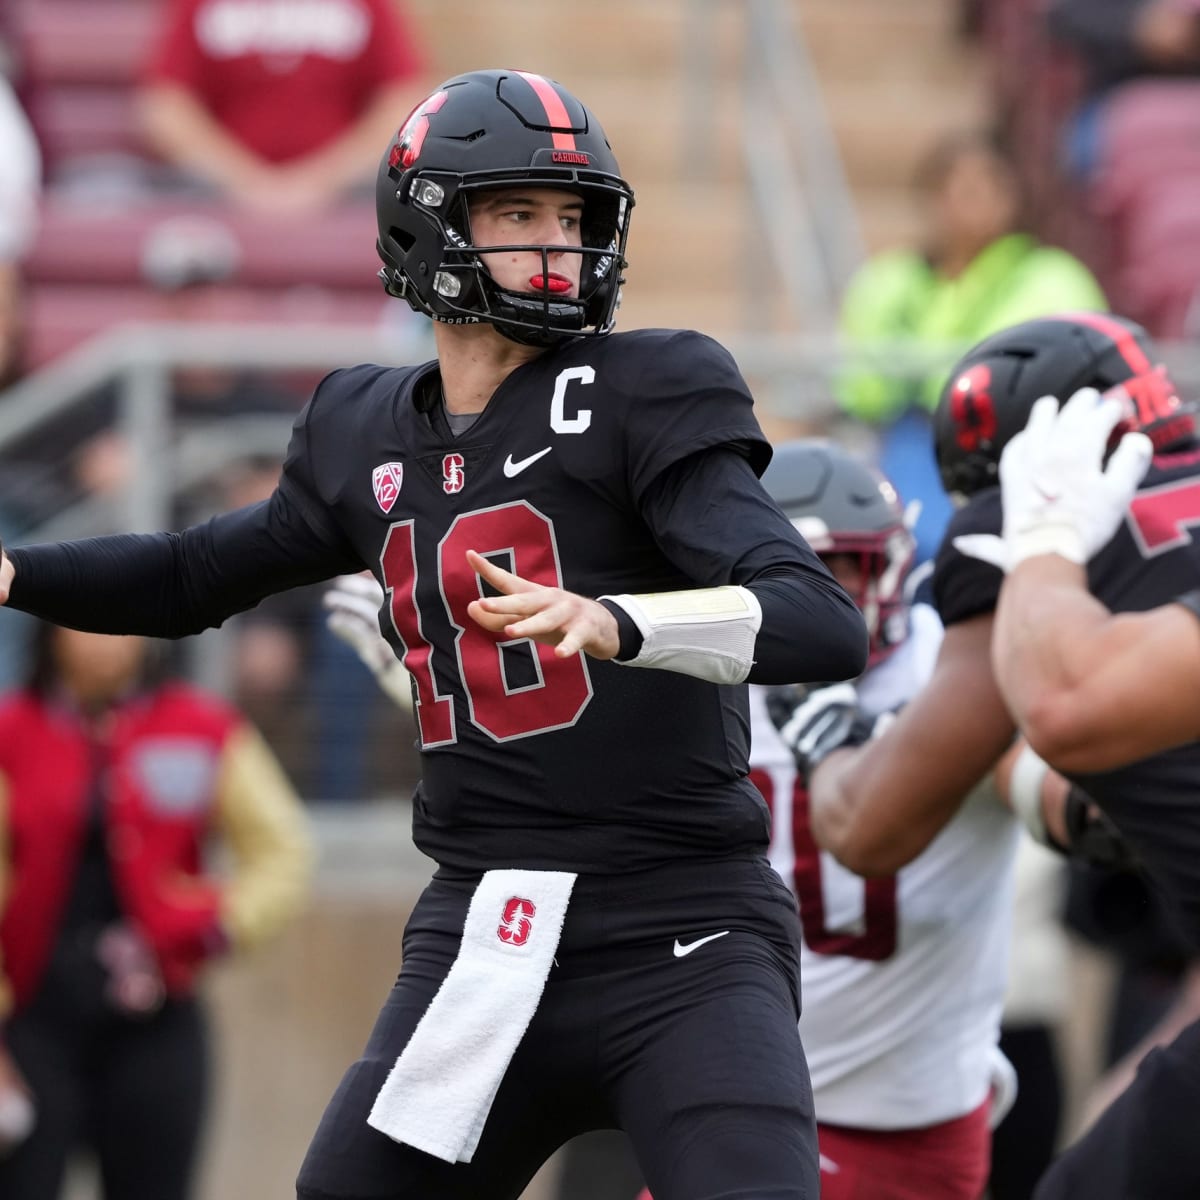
(110, 246)
(89, 267)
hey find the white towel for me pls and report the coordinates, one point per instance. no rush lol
(439, 1093)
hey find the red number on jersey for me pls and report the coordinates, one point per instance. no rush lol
(562, 688)
(1162, 516)
(435, 714)
(877, 940)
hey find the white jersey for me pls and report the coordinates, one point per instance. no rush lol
(903, 977)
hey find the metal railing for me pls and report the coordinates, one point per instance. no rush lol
(804, 230)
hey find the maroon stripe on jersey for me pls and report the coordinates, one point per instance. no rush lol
(556, 110)
(1126, 343)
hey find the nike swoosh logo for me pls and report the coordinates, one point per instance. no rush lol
(512, 469)
(681, 950)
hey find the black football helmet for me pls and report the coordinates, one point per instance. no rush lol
(843, 506)
(490, 129)
(990, 392)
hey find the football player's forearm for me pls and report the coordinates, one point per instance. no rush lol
(871, 829)
(341, 161)
(182, 130)
(1047, 651)
(1092, 690)
(116, 584)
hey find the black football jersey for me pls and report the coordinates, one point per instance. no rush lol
(1152, 559)
(530, 760)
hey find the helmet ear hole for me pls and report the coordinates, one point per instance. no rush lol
(405, 240)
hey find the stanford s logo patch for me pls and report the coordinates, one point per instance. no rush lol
(453, 475)
(386, 480)
(516, 922)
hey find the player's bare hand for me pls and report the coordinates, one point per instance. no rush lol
(554, 617)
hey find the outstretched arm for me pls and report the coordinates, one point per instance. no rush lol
(877, 806)
(171, 584)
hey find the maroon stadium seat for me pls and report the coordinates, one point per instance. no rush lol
(62, 315)
(86, 41)
(334, 249)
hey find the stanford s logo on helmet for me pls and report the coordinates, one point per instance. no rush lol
(487, 130)
(842, 506)
(989, 394)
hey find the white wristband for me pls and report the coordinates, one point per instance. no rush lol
(1025, 793)
(705, 632)
(1061, 538)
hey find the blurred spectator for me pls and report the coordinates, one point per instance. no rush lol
(273, 642)
(1127, 39)
(1134, 141)
(976, 272)
(1119, 41)
(1035, 1005)
(20, 186)
(1121, 914)
(115, 779)
(280, 106)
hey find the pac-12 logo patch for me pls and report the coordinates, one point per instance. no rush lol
(516, 921)
(453, 475)
(386, 480)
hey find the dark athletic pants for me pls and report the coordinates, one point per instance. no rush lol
(1146, 1146)
(134, 1091)
(696, 1057)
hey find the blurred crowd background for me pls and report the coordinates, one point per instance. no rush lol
(845, 192)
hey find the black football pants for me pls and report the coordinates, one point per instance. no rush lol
(696, 1056)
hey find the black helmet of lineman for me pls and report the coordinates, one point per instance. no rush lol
(490, 129)
(990, 392)
(843, 506)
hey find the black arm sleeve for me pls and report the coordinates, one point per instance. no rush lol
(174, 584)
(715, 522)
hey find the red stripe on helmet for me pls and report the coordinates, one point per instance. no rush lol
(1126, 343)
(556, 110)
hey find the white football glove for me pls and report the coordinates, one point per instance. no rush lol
(1059, 496)
(354, 602)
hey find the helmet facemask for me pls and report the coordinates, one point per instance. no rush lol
(884, 561)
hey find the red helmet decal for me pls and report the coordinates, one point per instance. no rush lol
(407, 146)
(971, 407)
